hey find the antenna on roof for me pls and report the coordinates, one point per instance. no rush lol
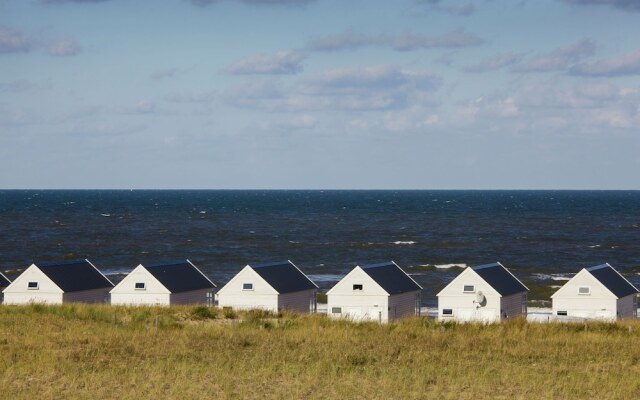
(480, 300)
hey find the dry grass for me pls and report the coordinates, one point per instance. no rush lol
(185, 352)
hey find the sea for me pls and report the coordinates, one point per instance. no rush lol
(543, 237)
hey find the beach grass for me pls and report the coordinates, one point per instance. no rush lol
(99, 351)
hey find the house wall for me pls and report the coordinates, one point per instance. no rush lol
(191, 297)
(513, 306)
(403, 305)
(262, 296)
(627, 307)
(369, 304)
(462, 304)
(599, 304)
(2, 294)
(47, 292)
(154, 293)
(87, 296)
(303, 301)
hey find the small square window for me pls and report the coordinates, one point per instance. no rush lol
(336, 310)
(140, 286)
(562, 313)
(584, 290)
(447, 311)
(247, 286)
(469, 288)
(357, 287)
(32, 285)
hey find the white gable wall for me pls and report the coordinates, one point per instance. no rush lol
(262, 296)
(599, 304)
(462, 304)
(125, 293)
(303, 301)
(18, 293)
(404, 305)
(369, 304)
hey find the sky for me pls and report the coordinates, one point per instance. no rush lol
(319, 94)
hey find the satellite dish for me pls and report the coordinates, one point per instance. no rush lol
(480, 300)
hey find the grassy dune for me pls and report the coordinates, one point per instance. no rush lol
(80, 351)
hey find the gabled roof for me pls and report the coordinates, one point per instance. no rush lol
(284, 277)
(180, 276)
(75, 276)
(499, 278)
(391, 277)
(612, 280)
(4, 281)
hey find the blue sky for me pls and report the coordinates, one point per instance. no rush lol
(407, 94)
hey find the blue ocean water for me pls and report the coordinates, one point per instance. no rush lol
(543, 236)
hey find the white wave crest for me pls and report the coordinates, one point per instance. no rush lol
(404, 242)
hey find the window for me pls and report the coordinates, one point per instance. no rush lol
(357, 287)
(584, 290)
(336, 310)
(469, 288)
(447, 311)
(140, 286)
(32, 285)
(247, 286)
(562, 313)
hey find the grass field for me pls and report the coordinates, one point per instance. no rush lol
(80, 351)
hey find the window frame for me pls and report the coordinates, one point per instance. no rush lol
(247, 286)
(447, 312)
(144, 286)
(30, 287)
(333, 310)
(464, 288)
(581, 293)
(561, 313)
(358, 286)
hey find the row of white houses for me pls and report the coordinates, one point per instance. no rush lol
(378, 292)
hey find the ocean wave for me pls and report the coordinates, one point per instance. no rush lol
(436, 267)
(325, 277)
(404, 242)
(553, 277)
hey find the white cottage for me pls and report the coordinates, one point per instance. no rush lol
(165, 284)
(76, 281)
(486, 293)
(4, 282)
(273, 287)
(376, 292)
(598, 292)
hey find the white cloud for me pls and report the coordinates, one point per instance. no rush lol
(559, 59)
(63, 47)
(164, 74)
(627, 5)
(13, 41)
(493, 63)
(350, 40)
(380, 87)
(280, 63)
(627, 64)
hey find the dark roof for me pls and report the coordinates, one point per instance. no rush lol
(4, 282)
(180, 276)
(75, 276)
(613, 281)
(391, 277)
(499, 278)
(284, 277)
